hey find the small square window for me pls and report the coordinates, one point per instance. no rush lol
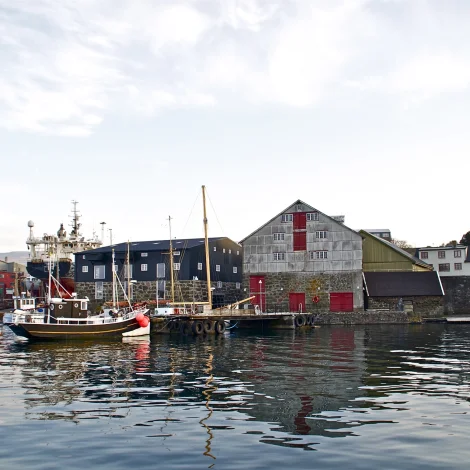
(217, 267)
(199, 266)
(441, 254)
(83, 257)
(279, 237)
(215, 248)
(229, 252)
(176, 253)
(84, 269)
(234, 270)
(219, 284)
(312, 217)
(424, 255)
(238, 252)
(237, 285)
(286, 218)
(444, 267)
(279, 256)
(458, 266)
(224, 250)
(457, 254)
(143, 267)
(176, 266)
(322, 234)
(144, 255)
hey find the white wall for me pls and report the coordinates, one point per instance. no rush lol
(451, 258)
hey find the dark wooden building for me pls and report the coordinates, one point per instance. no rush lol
(149, 266)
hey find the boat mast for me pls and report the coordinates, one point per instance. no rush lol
(206, 245)
(171, 264)
(113, 271)
(128, 275)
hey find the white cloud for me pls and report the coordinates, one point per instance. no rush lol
(67, 66)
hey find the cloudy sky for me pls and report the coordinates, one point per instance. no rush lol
(357, 107)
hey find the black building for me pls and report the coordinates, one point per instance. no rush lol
(149, 263)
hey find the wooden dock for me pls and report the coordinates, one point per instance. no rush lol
(216, 323)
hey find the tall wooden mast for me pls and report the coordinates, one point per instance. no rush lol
(128, 274)
(206, 244)
(171, 264)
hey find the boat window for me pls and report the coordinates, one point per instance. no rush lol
(83, 305)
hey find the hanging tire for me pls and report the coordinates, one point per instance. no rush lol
(299, 321)
(312, 320)
(307, 319)
(220, 327)
(197, 328)
(208, 326)
(185, 328)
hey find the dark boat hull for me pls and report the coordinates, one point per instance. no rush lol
(63, 331)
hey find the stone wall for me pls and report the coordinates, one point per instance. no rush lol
(185, 291)
(363, 318)
(425, 306)
(278, 286)
(457, 294)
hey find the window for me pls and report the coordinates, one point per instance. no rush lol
(99, 288)
(229, 252)
(424, 255)
(458, 266)
(83, 305)
(99, 271)
(441, 254)
(144, 255)
(161, 270)
(237, 285)
(215, 248)
(444, 267)
(286, 218)
(224, 250)
(84, 257)
(143, 267)
(219, 284)
(217, 267)
(84, 269)
(457, 254)
(238, 252)
(321, 234)
(161, 289)
(199, 266)
(277, 237)
(176, 266)
(234, 270)
(279, 256)
(319, 255)
(176, 253)
(312, 217)
(298, 207)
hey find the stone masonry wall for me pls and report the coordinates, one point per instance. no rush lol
(185, 291)
(425, 306)
(278, 286)
(457, 294)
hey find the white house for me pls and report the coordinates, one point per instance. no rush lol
(446, 260)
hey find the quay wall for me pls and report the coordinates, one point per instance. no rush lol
(457, 294)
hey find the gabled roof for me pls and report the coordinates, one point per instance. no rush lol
(400, 251)
(403, 284)
(154, 245)
(299, 201)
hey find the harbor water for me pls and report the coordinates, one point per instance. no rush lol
(360, 397)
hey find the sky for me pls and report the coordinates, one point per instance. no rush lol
(357, 107)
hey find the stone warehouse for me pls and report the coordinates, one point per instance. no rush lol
(304, 260)
(149, 271)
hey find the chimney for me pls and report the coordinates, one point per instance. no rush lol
(6, 259)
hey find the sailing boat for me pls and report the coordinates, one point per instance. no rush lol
(68, 318)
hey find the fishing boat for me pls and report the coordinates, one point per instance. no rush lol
(62, 248)
(69, 317)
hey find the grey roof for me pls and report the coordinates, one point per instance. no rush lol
(403, 284)
(403, 252)
(154, 245)
(299, 201)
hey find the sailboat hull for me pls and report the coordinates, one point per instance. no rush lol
(61, 331)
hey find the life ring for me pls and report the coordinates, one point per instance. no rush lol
(316, 299)
(75, 304)
(61, 307)
(52, 307)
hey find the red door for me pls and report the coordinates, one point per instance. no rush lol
(258, 289)
(300, 241)
(341, 302)
(296, 302)
(300, 221)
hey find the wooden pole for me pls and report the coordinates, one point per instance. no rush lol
(206, 244)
